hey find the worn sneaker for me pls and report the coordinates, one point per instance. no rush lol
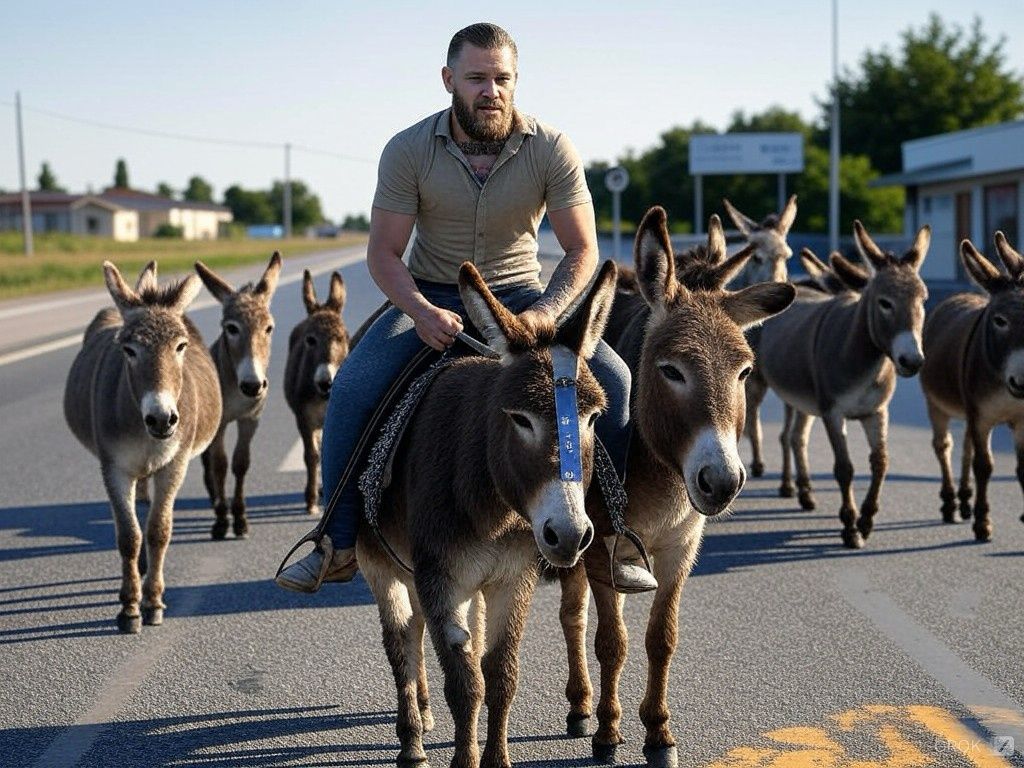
(320, 565)
(629, 572)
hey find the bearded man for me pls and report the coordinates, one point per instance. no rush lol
(475, 181)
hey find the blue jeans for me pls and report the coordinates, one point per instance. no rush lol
(378, 360)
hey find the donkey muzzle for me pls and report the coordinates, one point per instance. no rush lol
(907, 354)
(160, 414)
(253, 387)
(713, 472)
(323, 377)
(561, 527)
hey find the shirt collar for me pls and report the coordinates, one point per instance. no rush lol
(521, 124)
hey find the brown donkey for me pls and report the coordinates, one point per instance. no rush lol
(767, 264)
(689, 359)
(241, 354)
(974, 370)
(470, 513)
(142, 395)
(837, 357)
(317, 347)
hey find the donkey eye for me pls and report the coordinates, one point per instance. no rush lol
(593, 418)
(231, 328)
(521, 421)
(746, 372)
(129, 352)
(311, 341)
(1001, 322)
(181, 347)
(270, 329)
(671, 373)
(885, 304)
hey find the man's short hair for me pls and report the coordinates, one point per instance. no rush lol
(486, 36)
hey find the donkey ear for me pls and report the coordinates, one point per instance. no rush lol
(743, 223)
(652, 255)
(981, 270)
(336, 298)
(817, 270)
(309, 293)
(787, 217)
(731, 267)
(268, 283)
(758, 302)
(849, 273)
(919, 249)
(500, 327)
(184, 293)
(1014, 261)
(214, 283)
(716, 239)
(867, 248)
(147, 279)
(124, 297)
(583, 329)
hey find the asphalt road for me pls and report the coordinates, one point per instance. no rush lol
(793, 651)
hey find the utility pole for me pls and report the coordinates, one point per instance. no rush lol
(833, 165)
(287, 190)
(26, 202)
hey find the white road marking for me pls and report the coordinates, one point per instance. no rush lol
(76, 338)
(293, 461)
(44, 306)
(995, 710)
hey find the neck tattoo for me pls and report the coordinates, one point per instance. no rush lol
(477, 148)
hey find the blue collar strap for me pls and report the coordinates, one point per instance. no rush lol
(567, 414)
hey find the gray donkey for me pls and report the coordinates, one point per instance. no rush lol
(471, 511)
(241, 354)
(682, 338)
(837, 357)
(974, 370)
(317, 347)
(142, 395)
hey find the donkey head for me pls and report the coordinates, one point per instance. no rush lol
(1004, 318)
(895, 296)
(246, 324)
(690, 399)
(768, 262)
(523, 451)
(324, 337)
(833, 278)
(153, 340)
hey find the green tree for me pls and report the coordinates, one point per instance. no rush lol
(306, 210)
(198, 190)
(249, 206)
(357, 223)
(164, 189)
(943, 78)
(48, 181)
(121, 174)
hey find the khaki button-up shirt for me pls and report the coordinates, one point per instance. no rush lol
(492, 224)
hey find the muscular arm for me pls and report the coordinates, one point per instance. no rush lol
(389, 235)
(576, 233)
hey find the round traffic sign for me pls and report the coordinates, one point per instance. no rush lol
(616, 179)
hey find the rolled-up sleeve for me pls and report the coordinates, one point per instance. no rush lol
(397, 188)
(566, 183)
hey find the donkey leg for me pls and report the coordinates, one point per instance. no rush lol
(786, 489)
(671, 568)
(1018, 442)
(610, 645)
(799, 439)
(835, 425)
(311, 458)
(966, 490)
(159, 524)
(573, 617)
(755, 387)
(215, 464)
(121, 492)
(507, 606)
(981, 435)
(876, 429)
(240, 461)
(942, 444)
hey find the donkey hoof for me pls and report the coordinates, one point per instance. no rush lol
(313, 510)
(852, 539)
(983, 533)
(1022, 518)
(787, 491)
(757, 469)
(153, 617)
(219, 530)
(966, 513)
(604, 753)
(576, 726)
(661, 757)
(865, 525)
(417, 758)
(806, 501)
(129, 625)
(950, 515)
(241, 528)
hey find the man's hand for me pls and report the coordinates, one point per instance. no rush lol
(437, 327)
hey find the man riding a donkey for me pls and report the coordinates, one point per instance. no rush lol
(475, 181)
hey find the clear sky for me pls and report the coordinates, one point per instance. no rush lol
(345, 76)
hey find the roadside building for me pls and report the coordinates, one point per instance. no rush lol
(965, 184)
(198, 221)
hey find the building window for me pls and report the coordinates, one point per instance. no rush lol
(92, 225)
(1001, 211)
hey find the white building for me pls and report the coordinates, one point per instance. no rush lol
(966, 184)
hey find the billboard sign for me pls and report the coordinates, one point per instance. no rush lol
(729, 153)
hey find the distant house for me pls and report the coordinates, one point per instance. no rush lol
(118, 213)
(965, 184)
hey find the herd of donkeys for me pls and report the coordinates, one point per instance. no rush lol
(705, 336)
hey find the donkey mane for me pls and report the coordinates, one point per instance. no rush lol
(164, 296)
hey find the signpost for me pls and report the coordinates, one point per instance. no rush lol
(738, 153)
(616, 180)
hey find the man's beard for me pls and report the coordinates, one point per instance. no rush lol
(482, 130)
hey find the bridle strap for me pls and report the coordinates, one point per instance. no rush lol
(564, 366)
